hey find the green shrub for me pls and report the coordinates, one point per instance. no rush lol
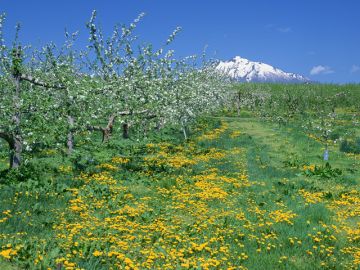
(350, 146)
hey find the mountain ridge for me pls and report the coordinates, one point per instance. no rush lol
(244, 70)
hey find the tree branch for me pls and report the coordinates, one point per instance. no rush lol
(112, 118)
(123, 113)
(38, 82)
(94, 128)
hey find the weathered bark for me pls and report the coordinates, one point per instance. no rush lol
(70, 136)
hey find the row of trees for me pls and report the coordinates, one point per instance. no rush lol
(314, 106)
(49, 95)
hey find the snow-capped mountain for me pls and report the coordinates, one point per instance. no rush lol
(242, 69)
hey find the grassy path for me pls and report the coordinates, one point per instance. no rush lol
(233, 198)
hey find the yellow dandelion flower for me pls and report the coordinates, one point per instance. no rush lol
(97, 253)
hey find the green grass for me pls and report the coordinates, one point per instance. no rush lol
(7, 266)
(167, 201)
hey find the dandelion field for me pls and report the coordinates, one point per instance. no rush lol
(240, 194)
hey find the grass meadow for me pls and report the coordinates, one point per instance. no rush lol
(241, 193)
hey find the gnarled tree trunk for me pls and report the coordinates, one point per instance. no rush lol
(70, 136)
(184, 130)
(15, 152)
(15, 148)
(15, 138)
(106, 131)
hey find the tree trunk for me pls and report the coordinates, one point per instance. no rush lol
(15, 152)
(70, 136)
(107, 131)
(159, 124)
(184, 131)
(15, 139)
(125, 127)
(145, 128)
(15, 149)
(238, 104)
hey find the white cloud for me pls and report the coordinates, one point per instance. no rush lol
(321, 70)
(284, 29)
(281, 29)
(354, 69)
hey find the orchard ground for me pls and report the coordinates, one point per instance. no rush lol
(240, 194)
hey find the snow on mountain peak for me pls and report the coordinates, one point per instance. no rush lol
(242, 69)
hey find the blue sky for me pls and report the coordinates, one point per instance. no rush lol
(319, 39)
